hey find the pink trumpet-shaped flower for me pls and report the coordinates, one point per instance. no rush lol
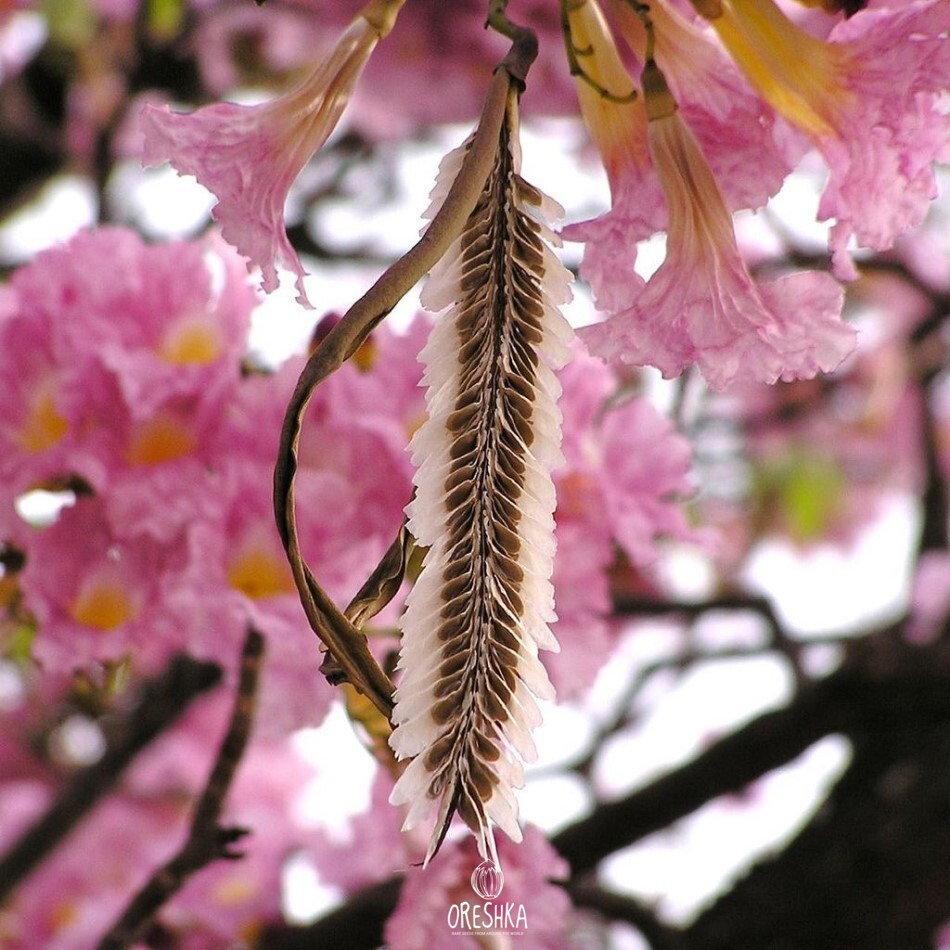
(729, 120)
(249, 156)
(872, 100)
(702, 305)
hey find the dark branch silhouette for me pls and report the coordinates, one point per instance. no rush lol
(886, 693)
(208, 840)
(158, 704)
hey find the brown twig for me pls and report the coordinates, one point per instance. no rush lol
(160, 701)
(778, 637)
(207, 840)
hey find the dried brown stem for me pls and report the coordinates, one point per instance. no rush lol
(345, 643)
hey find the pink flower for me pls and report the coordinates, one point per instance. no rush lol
(235, 573)
(423, 916)
(702, 305)
(380, 386)
(727, 118)
(97, 598)
(172, 322)
(626, 476)
(135, 385)
(161, 472)
(249, 156)
(871, 99)
(645, 473)
(930, 597)
(35, 428)
(27, 782)
(355, 475)
(585, 553)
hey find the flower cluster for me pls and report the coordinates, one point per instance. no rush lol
(721, 114)
(134, 397)
(680, 156)
(130, 392)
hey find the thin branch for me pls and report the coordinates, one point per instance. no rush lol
(623, 714)
(854, 700)
(779, 638)
(655, 606)
(160, 701)
(778, 641)
(207, 840)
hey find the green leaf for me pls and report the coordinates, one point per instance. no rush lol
(72, 23)
(165, 18)
(806, 492)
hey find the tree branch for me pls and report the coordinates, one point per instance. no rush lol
(885, 687)
(207, 840)
(884, 680)
(357, 925)
(621, 907)
(779, 638)
(870, 870)
(160, 701)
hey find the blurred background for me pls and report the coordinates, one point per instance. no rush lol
(752, 750)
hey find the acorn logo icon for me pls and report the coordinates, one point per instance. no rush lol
(487, 880)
